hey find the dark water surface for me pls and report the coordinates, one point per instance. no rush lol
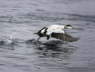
(19, 19)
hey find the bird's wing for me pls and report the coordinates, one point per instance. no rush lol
(64, 36)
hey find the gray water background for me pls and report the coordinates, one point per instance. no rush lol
(21, 18)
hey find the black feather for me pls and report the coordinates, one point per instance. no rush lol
(42, 34)
(64, 36)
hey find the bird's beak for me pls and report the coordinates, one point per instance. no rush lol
(76, 28)
(70, 28)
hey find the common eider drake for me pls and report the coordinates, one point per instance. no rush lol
(56, 31)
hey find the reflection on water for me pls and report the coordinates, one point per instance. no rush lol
(43, 54)
(53, 48)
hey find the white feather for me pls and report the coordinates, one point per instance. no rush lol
(55, 29)
(42, 31)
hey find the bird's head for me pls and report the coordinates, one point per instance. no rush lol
(68, 26)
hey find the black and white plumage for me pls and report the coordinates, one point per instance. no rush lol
(56, 31)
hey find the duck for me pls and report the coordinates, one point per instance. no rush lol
(56, 31)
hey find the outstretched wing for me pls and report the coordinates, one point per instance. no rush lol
(64, 36)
